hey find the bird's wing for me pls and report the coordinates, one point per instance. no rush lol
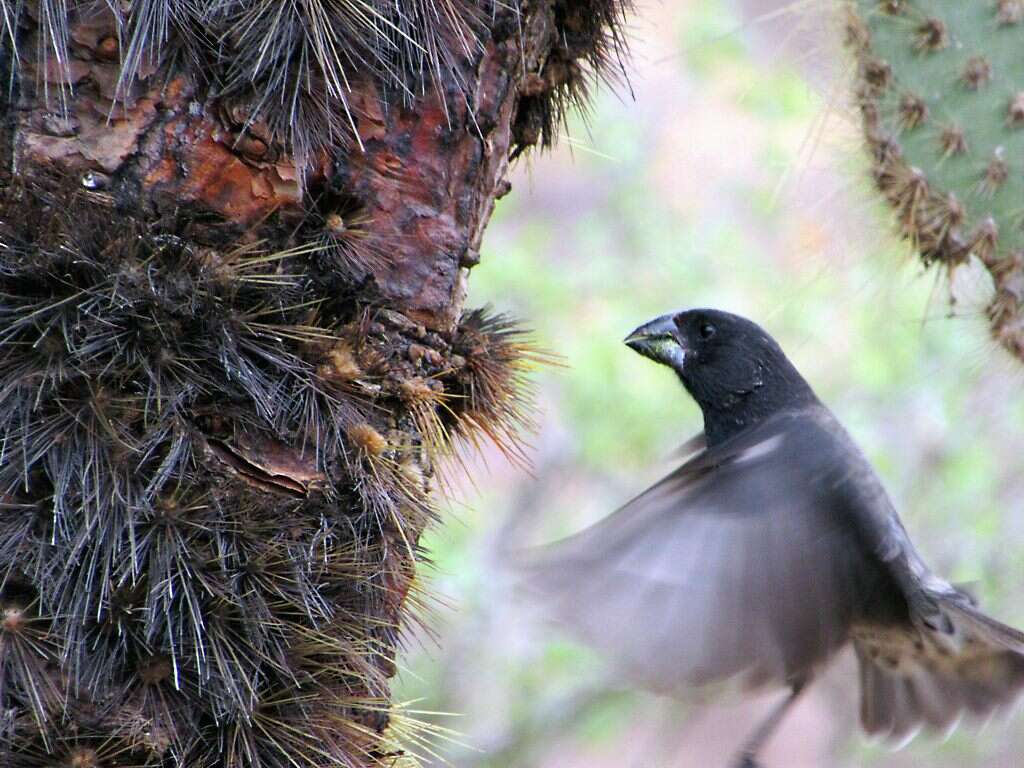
(698, 442)
(736, 565)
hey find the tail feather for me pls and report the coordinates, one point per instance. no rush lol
(977, 627)
(920, 678)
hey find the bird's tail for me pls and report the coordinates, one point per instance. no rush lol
(930, 678)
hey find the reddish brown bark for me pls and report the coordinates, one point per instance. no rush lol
(425, 177)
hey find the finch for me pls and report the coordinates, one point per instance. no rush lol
(767, 552)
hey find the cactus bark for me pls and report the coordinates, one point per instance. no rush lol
(234, 349)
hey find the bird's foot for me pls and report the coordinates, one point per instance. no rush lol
(746, 760)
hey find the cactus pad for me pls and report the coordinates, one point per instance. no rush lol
(940, 86)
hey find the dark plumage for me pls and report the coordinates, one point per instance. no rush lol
(769, 550)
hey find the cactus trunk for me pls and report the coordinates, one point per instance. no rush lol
(234, 243)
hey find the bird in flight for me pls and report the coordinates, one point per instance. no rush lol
(768, 551)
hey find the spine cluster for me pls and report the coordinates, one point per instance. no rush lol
(212, 480)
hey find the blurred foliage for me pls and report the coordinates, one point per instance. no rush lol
(730, 182)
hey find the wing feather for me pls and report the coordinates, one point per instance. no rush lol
(732, 567)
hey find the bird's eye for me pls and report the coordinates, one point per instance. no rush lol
(706, 330)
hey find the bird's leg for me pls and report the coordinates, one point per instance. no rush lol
(764, 731)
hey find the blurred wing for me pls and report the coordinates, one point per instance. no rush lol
(733, 566)
(696, 443)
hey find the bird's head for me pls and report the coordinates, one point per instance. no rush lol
(731, 367)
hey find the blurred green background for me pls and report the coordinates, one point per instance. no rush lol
(731, 177)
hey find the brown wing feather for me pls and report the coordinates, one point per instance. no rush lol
(914, 677)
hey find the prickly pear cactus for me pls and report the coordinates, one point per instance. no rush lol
(940, 85)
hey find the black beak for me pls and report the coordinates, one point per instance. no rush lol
(659, 341)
